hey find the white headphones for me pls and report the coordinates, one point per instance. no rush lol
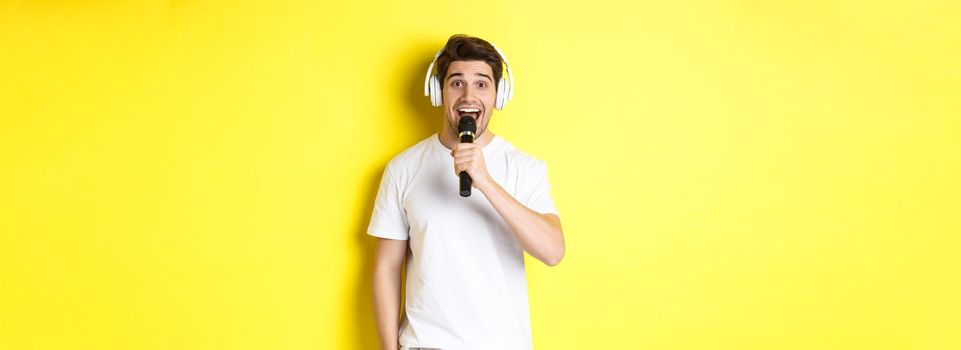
(433, 89)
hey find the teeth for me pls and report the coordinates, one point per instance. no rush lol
(468, 110)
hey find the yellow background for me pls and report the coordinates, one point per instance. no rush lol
(730, 174)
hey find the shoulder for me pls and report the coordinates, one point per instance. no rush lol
(525, 161)
(410, 159)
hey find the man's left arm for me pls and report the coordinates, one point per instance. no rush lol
(540, 235)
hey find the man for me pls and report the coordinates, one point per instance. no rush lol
(466, 284)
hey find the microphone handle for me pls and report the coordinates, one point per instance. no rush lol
(465, 180)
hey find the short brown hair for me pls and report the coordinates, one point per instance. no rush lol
(461, 47)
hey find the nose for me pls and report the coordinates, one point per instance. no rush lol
(471, 93)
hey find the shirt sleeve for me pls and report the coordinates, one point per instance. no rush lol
(389, 219)
(538, 191)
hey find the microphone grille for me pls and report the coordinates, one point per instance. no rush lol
(467, 124)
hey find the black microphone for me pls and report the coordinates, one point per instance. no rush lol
(466, 128)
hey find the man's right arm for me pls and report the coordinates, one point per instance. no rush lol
(390, 256)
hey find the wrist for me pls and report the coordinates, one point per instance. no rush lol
(487, 185)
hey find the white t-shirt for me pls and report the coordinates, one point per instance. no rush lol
(466, 285)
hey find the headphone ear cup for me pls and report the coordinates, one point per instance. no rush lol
(430, 87)
(436, 98)
(501, 98)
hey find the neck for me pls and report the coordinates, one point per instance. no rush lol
(449, 138)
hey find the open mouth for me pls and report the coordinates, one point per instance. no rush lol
(472, 112)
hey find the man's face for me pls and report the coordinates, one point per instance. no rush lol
(469, 90)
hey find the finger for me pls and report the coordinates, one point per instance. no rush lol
(469, 152)
(465, 146)
(466, 156)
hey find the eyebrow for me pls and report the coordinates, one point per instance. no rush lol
(462, 74)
